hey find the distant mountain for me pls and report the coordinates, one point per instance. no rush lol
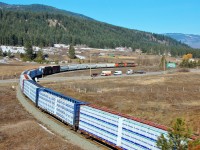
(189, 39)
(43, 26)
(40, 8)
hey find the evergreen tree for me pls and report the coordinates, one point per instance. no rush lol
(42, 30)
(28, 50)
(72, 52)
(177, 137)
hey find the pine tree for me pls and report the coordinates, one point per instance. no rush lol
(177, 138)
(72, 52)
(28, 50)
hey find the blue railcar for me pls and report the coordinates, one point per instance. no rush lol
(39, 72)
(31, 90)
(62, 107)
(32, 73)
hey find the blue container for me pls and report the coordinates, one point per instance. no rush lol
(32, 73)
(38, 72)
(62, 107)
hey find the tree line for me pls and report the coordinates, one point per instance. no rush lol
(45, 29)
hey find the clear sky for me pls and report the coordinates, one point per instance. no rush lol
(158, 16)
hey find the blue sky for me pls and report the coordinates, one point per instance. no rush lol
(158, 16)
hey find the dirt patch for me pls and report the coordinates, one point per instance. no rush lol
(159, 98)
(19, 130)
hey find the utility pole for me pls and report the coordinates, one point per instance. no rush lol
(90, 65)
(164, 64)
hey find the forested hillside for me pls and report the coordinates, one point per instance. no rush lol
(46, 27)
(189, 39)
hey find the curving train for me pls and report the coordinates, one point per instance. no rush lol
(117, 130)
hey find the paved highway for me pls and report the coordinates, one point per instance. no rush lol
(57, 79)
(52, 78)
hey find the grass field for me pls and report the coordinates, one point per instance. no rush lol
(155, 98)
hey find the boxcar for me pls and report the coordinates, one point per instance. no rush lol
(47, 70)
(56, 69)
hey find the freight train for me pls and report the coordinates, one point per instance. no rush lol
(117, 130)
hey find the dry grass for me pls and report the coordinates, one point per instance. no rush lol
(29, 135)
(155, 98)
(12, 71)
(19, 130)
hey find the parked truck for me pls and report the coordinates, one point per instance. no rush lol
(106, 73)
